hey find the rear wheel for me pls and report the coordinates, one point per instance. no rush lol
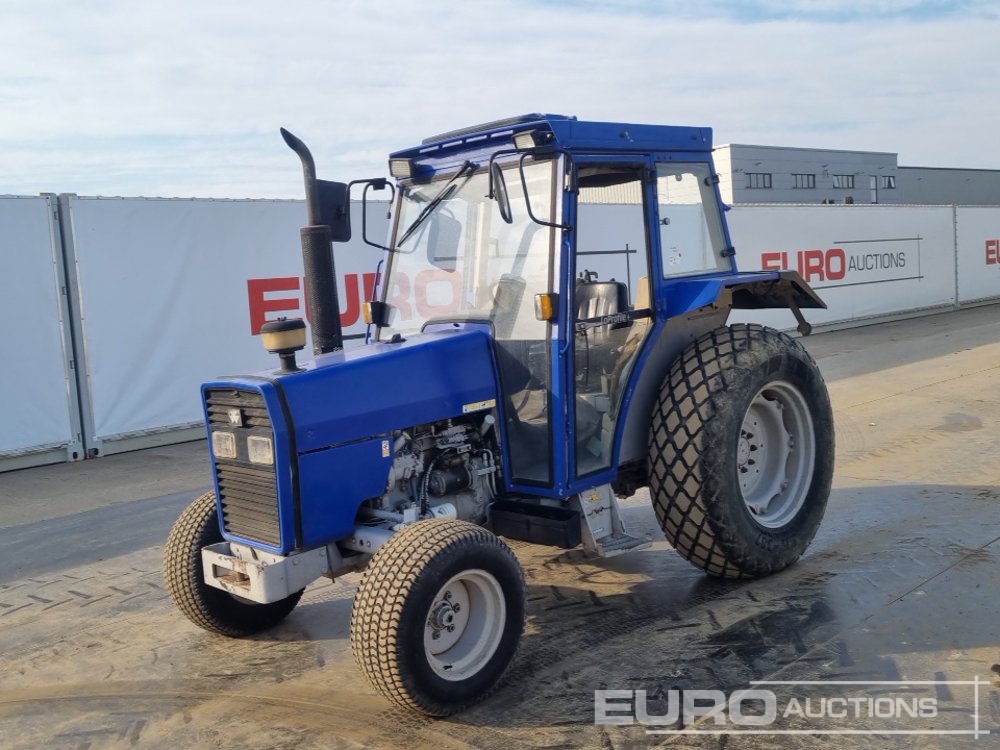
(438, 616)
(741, 451)
(206, 606)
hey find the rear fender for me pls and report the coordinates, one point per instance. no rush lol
(694, 307)
(788, 290)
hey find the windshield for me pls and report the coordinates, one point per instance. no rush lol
(456, 259)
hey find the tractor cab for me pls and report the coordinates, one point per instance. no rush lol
(571, 243)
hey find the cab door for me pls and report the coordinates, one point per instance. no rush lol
(611, 306)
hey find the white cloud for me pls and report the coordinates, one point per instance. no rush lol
(186, 98)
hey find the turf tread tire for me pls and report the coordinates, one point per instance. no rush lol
(207, 607)
(388, 612)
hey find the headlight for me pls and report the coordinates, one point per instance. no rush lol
(223, 445)
(260, 450)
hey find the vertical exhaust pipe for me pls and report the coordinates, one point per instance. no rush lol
(317, 260)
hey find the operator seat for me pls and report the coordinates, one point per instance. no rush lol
(596, 345)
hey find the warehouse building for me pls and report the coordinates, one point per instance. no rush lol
(779, 174)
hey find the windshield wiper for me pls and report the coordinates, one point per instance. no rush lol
(445, 192)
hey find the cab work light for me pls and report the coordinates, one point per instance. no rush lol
(524, 141)
(530, 139)
(401, 168)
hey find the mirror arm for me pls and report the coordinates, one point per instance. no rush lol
(504, 152)
(540, 151)
(524, 184)
(375, 183)
(374, 297)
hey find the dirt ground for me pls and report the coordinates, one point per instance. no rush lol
(900, 584)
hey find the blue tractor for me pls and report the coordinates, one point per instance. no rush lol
(548, 334)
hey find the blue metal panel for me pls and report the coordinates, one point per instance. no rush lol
(565, 374)
(625, 137)
(749, 277)
(681, 296)
(571, 134)
(346, 398)
(335, 482)
(478, 143)
(489, 136)
(374, 389)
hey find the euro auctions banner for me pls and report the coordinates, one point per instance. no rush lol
(978, 252)
(36, 393)
(173, 292)
(864, 261)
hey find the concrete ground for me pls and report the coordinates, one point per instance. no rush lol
(901, 583)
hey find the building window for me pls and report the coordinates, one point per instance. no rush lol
(889, 182)
(845, 181)
(758, 180)
(804, 180)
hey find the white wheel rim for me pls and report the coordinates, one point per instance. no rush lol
(776, 454)
(464, 625)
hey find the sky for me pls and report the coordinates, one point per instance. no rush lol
(182, 98)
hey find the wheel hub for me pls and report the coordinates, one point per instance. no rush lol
(775, 454)
(464, 624)
(448, 616)
(743, 452)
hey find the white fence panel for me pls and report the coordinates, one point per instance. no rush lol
(173, 292)
(38, 422)
(864, 261)
(978, 253)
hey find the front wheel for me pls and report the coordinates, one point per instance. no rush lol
(438, 616)
(206, 606)
(741, 451)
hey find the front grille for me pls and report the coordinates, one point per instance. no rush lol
(248, 492)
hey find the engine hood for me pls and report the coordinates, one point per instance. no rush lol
(354, 394)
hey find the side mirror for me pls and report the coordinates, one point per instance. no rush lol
(335, 208)
(499, 193)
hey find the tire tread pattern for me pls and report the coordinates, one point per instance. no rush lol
(209, 608)
(381, 597)
(694, 393)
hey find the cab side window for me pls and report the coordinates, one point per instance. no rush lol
(691, 237)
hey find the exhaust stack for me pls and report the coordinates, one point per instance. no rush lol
(317, 259)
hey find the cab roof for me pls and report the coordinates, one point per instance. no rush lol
(568, 133)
